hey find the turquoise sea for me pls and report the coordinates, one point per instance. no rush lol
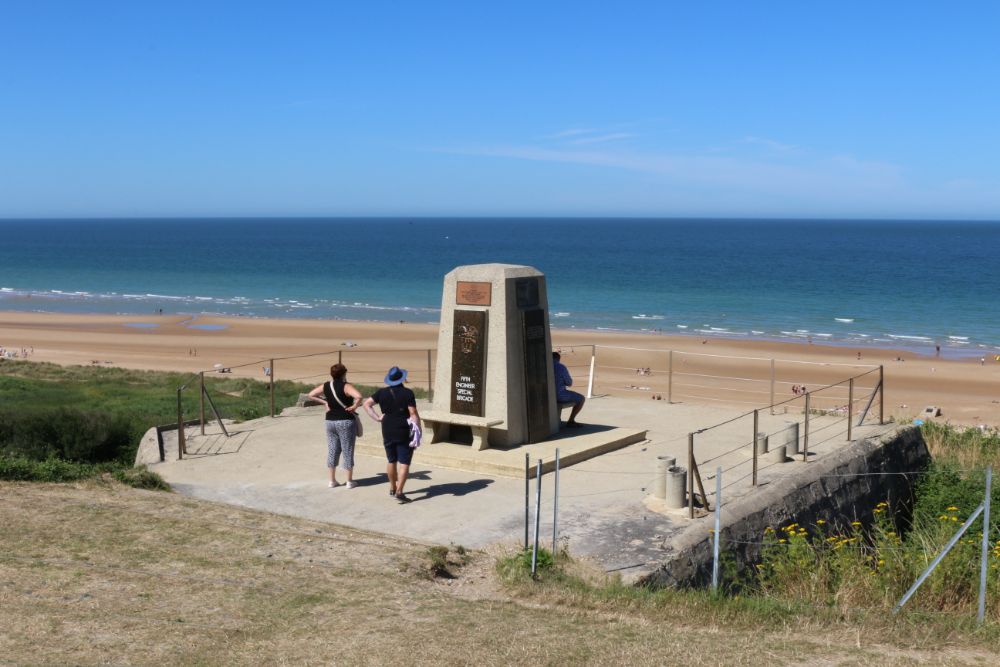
(898, 284)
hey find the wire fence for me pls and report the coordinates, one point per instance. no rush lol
(263, 387)
(796, 428)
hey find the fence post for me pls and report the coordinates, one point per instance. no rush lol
(590, 378)
(756, 419)
(881, 394)
(690, 475)
(670, 378)
(527, 496)
(340, 356)
(718, 521)
(772, 386)
(805, 434)
(986, 546)
(850, 405)
(555, 508)
(180, 426)
(201, 401)
(538, 509)
(270, 376)
(937, 559)
(430, 379)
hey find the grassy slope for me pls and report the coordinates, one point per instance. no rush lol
(97, 572)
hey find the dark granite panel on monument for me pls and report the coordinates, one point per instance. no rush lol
(526, 290)
(468, 363)
(537, 359)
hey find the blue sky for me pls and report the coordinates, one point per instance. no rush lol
(854, 109)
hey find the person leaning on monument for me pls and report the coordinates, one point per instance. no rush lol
(564, 395)
(341, 422)
(400, 428)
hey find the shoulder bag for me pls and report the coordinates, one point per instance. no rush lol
(359, 429)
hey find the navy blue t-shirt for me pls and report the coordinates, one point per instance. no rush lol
(394, 402)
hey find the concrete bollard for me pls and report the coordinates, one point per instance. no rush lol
(777, 455)
(792, 438)
(761, 443)
(663, 464)
(676, 492)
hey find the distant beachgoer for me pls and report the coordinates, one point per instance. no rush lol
(564, 395)
(982, 361)
(400, 428)
(341, 422)
(937, 350)
(859, 355)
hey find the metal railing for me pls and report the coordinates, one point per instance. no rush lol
(826, 414)
(363, 369)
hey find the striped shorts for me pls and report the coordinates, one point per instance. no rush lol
(340, 436)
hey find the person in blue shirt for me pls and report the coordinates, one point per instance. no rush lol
(565, 395)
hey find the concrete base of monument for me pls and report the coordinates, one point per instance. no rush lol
(574, 446)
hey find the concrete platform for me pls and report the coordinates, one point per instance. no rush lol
(279, 465)
(574, 445)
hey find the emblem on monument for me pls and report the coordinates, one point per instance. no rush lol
(468, 337)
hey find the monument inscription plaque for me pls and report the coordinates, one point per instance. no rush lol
(537, 360)
(473, 294)
(468, 362)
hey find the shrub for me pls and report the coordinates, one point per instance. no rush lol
(66, 433)
(21, 469)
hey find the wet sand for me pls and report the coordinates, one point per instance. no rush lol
(725, 372)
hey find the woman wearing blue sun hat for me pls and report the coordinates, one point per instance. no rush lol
(400, 428)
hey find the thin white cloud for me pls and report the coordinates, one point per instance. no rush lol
(770, 144)
(571, 132)
(827, 177)
(602, 138)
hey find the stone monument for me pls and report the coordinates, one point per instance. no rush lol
(493, 384)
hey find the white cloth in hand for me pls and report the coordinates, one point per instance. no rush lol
(415, 433)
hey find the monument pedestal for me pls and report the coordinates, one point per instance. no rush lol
(494, 384)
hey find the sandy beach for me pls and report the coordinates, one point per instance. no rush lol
(727, 372)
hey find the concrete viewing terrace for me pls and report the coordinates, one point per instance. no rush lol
(606, 511)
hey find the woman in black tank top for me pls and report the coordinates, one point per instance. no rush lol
(342, 401)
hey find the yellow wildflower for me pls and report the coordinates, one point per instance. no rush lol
(855, 523)
(820, 522)
(952, 508)
(782, 541)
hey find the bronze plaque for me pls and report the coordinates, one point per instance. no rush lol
(537, 361)
(473, 294)
(468, 362)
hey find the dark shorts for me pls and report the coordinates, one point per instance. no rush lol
(398, 452)
(569, 396)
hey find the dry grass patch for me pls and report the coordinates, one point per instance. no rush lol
(98, 573)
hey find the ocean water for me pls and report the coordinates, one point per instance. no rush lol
(899, 284)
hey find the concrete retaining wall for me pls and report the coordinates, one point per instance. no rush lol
(829, 488)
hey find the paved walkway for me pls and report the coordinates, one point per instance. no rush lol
(278, 465)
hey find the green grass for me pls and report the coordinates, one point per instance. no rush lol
(20, 469)
(853, 566)
(98, 414)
